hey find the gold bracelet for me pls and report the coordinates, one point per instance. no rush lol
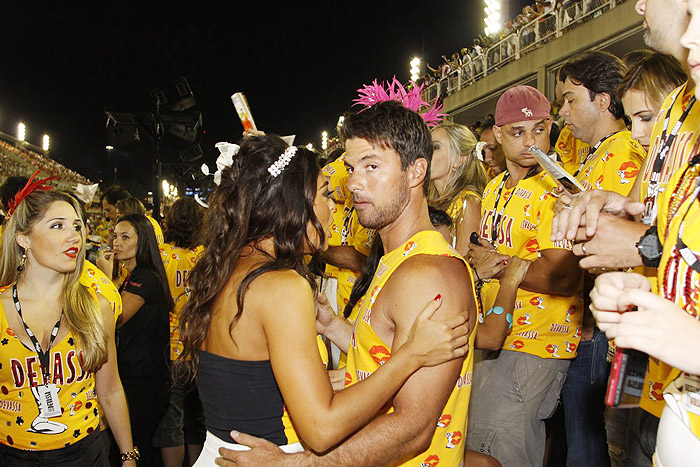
(131, 455)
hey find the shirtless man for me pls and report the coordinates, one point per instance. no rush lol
(388, 152)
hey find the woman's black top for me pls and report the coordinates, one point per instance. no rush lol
(240, 395)
(143, 341)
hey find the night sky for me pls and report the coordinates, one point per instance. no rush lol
(299, 65)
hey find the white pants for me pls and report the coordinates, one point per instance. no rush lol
(676, 445)
(210, 451)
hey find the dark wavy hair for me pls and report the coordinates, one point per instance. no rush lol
(599, 72)
(183, 223)
(248, 206)
(147, 252)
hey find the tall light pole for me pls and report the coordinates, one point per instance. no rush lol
(109, 149)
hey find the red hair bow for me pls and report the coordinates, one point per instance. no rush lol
(31, 186)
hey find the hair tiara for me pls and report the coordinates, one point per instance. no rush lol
(372, 94)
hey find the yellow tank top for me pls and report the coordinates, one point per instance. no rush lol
(23, 426)
(367, 353)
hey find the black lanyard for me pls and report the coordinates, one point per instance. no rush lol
(592, 151)
(666, 142)
(43, 356)
(498, 216)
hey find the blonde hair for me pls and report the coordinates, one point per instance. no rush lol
(81, 311)
(471, 175)
(656, 75)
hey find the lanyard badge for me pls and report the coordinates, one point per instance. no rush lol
(47, 393)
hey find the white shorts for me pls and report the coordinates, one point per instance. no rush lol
(210, 451)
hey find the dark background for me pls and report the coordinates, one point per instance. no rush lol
(299, 65)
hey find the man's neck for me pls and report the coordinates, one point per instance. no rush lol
(605, 128)
(515, 173)
(413, 219)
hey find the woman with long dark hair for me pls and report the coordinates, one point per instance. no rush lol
(57, 352)
(143, 330)
(248, 329)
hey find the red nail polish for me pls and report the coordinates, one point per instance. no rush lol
(437, 297)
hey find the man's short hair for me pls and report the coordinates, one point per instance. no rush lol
(113, 194)
(599, 72)
(391, 125)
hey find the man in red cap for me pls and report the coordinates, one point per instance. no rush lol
(517, 386)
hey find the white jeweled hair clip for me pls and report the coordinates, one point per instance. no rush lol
(283, 161)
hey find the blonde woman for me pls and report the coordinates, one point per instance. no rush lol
(57, 351)
(457, 180)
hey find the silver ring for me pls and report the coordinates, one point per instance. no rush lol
(567, 206)
(583, 248)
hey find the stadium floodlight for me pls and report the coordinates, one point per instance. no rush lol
(493, 17)
(310, 147)
(21, 131)
(46, 142)
(324, 140)
(415, 68)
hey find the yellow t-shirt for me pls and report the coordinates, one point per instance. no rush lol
(158, 231)
(368, 352)
(98, 281)
(548, 326)
(614, 165)
(679, 207)
(572, 151)
(683, 148)
(23, 425)
(346, 229)
(178, 262)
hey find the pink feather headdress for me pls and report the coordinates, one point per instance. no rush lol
(372, 94)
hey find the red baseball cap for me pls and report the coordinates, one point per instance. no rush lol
(521, 103)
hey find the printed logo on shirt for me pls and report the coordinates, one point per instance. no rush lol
(453, 439)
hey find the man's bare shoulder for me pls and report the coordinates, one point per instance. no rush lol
(448, 269)
(420, 278)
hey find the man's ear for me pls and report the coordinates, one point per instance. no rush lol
(497, 134)
(418, 170)
(602, 100)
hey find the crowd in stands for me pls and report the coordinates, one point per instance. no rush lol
(425, 295)
(533, 27)
(18, 160)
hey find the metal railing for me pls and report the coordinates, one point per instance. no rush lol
(527, 38)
